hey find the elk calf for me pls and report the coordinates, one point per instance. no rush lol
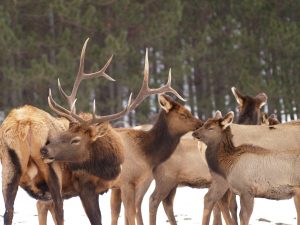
(253, 161)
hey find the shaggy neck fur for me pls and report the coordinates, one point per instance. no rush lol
(105, 158)
(216, 153)
(159, 143)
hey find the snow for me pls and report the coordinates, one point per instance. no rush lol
(188, 208)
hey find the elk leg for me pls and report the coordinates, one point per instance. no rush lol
(216, 191)
(42, 208)
(54, 188)
(128, 199)
(115, 205)
(11, 174)
(224, 205)
(247, 202)
(217, 215)
(168, 204)
(140, 193)
(233, 207)
(297, 205)
(90, 201)
(161, 191)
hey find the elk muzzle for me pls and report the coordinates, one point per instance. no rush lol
(45, 155)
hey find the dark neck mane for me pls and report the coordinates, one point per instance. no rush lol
(159, 143)
(217, 151)
(105, 158)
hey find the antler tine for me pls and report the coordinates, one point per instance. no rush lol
(172, 90)
(58, 109)
(101, 119)
(81, 75)
(145, 91)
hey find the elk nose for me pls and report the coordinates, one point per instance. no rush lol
(44, 151)
(195, 134)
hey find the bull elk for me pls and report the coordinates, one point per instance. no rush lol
(253, 161)
(23, 133)
(141, 149)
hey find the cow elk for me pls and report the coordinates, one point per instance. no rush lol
(185, 167)
(253, 161)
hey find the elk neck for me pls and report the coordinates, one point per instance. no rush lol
(218, 154)
(250, 115)
(160, 142)
(105, 156)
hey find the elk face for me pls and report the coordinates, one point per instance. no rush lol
(211, 132)
(179, 119)
(249, 107)
(72, 145)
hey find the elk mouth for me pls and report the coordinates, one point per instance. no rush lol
(48, 160)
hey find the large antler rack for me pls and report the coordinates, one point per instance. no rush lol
(144, 92)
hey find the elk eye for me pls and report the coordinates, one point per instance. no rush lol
(75, 141)
(210, 128)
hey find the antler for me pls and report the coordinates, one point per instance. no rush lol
(145, 91)
(81, 75)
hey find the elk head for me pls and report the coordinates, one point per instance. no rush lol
(179, 119)
(269, 120)
(249, 107)
(211, 131)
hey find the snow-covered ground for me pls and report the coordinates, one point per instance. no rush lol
(188, 210)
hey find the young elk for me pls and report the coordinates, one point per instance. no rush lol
(253, 161)
(23, 133)
(186, 166)
(142, 150)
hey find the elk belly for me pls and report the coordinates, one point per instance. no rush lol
(272, 176)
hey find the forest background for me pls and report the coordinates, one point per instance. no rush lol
(211, 46)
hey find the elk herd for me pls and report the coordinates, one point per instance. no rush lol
(82, 154)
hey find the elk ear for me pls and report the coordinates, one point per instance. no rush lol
(227, 120)
(262, 99)
(165, 103)
(98, 131)
(264, 118)
(238, 96)
(218, 115)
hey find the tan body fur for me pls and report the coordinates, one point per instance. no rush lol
(142, 155)
(266, 167)
(19, 132)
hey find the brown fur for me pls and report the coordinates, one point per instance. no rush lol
(228, 160)
(144, 152)
(249, 112)
(99, 155)
(17, 134)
